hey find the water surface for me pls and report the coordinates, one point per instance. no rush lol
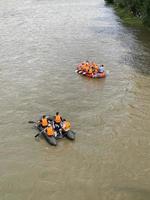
(41, 43)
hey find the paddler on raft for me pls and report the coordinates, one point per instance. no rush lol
(60, 125)
(57, 120)
(66, 126)
(50, 131)
(43, 121)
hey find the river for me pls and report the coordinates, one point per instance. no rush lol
(41, 42)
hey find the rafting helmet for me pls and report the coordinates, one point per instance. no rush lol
(49, 125)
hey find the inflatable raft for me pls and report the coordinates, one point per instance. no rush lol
(96, 75)
(91, 70)
(52, 140)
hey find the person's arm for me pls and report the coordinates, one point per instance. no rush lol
(39, 121)
(53, 125)
(45, 129)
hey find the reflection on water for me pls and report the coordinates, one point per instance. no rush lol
(41, 44)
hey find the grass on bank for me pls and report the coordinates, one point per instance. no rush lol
(128, 18)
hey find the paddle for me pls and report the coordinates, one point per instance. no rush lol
(32, 122)
(38, 133)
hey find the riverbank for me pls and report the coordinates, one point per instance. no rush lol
(132, 14)
(128, 18)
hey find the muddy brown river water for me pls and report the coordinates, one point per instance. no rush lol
(41, 42)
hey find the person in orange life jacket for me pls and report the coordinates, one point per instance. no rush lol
(44, 121)
(57, 118)
(49, 130)
(57, 121)
(66, 125)
(95, 66)
(83, 66)
(90, 71)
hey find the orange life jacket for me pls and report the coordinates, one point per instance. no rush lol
(83, 67)
(96, 67)
(96, 70)
(90, 70)
(86, 68)
(57, 118)
(93, 64)
(50, 131)
(44, 122)
(66, 125)
(87, 64)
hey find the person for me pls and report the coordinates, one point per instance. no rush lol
(95, 66)
(87, 63)
(49, 130)
(87, 66)
(93, 70)
(83, 67)
(44, 121)
(57, 118)
(65, 125)
(90, 71)
(101, 68)
(57, 123)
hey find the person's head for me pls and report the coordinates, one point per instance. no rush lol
(64, 120)
(44, 116)
(57, 113)
(102, 65)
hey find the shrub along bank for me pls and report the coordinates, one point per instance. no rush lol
(133, 11)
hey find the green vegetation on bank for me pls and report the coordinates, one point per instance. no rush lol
(133, 12)
(128, 17)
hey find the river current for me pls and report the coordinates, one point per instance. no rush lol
(41, 43)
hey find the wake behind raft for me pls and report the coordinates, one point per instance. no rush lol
(91, 70)
(59, 132)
